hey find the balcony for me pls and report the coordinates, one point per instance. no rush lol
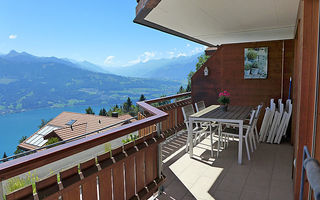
(138, 169)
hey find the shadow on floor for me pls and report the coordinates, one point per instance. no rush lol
(266, 176)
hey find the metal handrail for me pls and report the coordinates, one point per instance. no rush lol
(64, 141)
(313, 180)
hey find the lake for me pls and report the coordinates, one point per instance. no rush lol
(15, 125)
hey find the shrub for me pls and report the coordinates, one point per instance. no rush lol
(16, 183)
(251, 55)
(130, 139)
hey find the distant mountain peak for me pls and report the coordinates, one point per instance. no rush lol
(14, 53)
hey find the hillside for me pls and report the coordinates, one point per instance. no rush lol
(29, 82)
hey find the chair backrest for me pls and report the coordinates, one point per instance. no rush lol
(200, 106)
(288, 103)
(252, 116)
(271, 102)
(259, 107)
(272, 106)
(279, 101)
(281, 107)
(187, 111)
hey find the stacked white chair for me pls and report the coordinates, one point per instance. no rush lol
(275, 122)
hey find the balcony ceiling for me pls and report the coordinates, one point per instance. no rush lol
(214, 22)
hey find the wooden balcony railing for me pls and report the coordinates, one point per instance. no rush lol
(132, 171)
(175, 121)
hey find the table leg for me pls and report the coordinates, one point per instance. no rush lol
(211, 142)
(240, 142)
(219, 138)
(190, 137)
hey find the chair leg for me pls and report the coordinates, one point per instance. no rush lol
(247, 147)
(211, 141)
(250, 140)
(219, 138)
(253, 139)
(257, 134)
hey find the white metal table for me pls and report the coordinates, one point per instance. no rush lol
(235, 114)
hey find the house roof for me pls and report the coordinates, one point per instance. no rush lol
(58, 127)
(213, 23)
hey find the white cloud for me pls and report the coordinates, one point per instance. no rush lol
(188, 45)
(143, 58)
(12, 37)
(108, 60)
(181, 54)
(198, 50)
(173, 54)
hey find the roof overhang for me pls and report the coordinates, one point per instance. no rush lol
(215, 22)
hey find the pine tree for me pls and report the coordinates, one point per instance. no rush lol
(18, 149)
(103, 112)
(4, 156)
(181, 90)
(188, 89)
(142, 98)
(127, 105)
(89, 111)
(43, 123)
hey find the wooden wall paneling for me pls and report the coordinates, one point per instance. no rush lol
(70, 180)
(48, 188)
(89, 183)
(140, 167)
(151, 163)
(105, 184)
(130, 176)
(26, 194)
(305, 66)
(226, 72)
(118, 181)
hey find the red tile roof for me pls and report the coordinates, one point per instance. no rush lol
(85, 123)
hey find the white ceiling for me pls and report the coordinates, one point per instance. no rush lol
(228, 21)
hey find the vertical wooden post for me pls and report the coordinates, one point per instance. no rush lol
(159, 156)
(1, 191)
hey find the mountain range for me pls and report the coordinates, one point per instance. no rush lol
(30, 82)
(176, 68)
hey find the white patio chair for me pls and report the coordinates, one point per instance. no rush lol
(276, 123)
(264, 125)
(200, 106)
(247, 132)
(284, 122)
(196, 133)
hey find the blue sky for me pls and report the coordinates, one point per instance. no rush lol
(99, 31)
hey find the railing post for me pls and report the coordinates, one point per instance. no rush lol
(1, 191)
(159, 156)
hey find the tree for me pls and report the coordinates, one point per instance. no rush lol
(188, 89)
(201, 60)
(18, 149)
(52, 140)
(103, 112)
(89, 111)
(181, 90)
(4, 156)
(142, 98)
(127, 105)
(43, 123)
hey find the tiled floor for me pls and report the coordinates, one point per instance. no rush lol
(266, 176)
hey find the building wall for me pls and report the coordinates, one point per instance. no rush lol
(226, 72)
(306, 44)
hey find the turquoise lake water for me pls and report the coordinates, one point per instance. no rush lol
(14, 126)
